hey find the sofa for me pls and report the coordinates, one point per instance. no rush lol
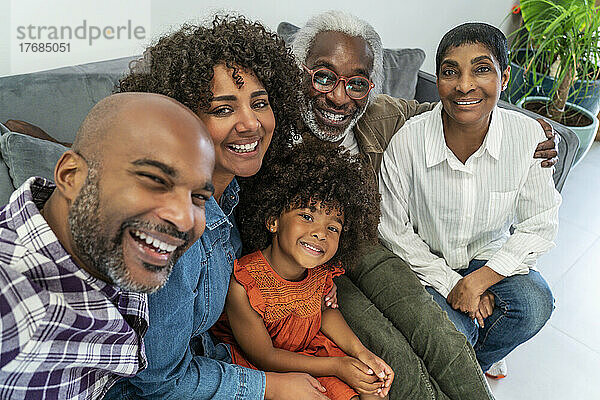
(58, 100)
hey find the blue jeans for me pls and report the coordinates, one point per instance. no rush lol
(523, 304)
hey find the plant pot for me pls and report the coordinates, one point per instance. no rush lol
(584, 93)
(585, 134)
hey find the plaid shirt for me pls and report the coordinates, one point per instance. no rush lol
(63, 333)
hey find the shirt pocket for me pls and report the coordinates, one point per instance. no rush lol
(501, 209)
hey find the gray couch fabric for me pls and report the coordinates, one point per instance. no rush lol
(6, 186)
(26, 156)
(58, 100)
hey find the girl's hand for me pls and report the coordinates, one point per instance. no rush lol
(383, 371)
(358, 375)
(330, 299)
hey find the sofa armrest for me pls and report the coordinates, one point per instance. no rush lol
(567, 147)
(426, 91)
(6, 184)
(569, 143)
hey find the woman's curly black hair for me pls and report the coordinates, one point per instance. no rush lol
(180, 65)
(311, 172)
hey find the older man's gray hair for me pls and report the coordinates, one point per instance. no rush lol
(339, 21)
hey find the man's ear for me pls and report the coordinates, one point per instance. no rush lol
(69, 174)
(272, 224)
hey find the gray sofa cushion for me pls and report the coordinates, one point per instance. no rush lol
(401, 69)
(401, 66)
(6, 187)
(58, 100)
(27, 156)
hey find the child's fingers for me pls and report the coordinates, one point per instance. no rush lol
(387, 384)
(363, 367)
(363, 387)
(389, 374)
(376, 364)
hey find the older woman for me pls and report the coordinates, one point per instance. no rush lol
(454, 181)
(242, 82)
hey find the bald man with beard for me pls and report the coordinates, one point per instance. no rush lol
(77, 256)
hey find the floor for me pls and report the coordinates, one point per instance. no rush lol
(563, 360)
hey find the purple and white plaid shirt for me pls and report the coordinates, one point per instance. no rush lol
(63, 333)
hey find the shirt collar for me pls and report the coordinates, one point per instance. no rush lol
(435, 144)
(217, 214)
(33, 230)
(436, 149)
(35, 234)
(493, 139)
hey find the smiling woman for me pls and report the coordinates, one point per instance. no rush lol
(454, 181)
(241, 123)
(470, 80)
(242, 82)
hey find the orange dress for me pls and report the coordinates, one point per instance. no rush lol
(291, 312)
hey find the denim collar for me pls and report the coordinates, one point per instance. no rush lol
(217, 214)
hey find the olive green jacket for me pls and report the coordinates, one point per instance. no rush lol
(382, 119)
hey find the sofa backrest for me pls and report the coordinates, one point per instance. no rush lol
(55, 100)
(58, 100)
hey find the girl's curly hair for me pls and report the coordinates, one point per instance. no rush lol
(180, 65)
(311, 172)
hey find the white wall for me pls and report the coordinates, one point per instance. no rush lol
(418, 23)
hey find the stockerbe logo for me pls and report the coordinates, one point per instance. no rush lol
(52, 34)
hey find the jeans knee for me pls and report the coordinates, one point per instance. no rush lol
(537, 308)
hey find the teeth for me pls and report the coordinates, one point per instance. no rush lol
(244, 148)
(333, 117)
(162, 246)
(311, 247)
(464, 103)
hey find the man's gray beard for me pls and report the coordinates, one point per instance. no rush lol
(98, 251)
(308, 115)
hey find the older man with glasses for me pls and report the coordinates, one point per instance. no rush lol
(382, 299)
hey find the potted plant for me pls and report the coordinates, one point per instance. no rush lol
(584, 92)
(559, 39)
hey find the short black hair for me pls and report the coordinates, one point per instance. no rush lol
(474, 32)
(311, 172)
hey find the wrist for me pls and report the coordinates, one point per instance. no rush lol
(337, 366)
(482, 279)
(358, 351)
(270, 383)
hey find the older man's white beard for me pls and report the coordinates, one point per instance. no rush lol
(308, 115)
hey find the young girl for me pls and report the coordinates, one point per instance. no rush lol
(307, 214)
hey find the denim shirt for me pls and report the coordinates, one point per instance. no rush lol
(183, 360)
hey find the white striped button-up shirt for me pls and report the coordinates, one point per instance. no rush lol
(438, 213)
